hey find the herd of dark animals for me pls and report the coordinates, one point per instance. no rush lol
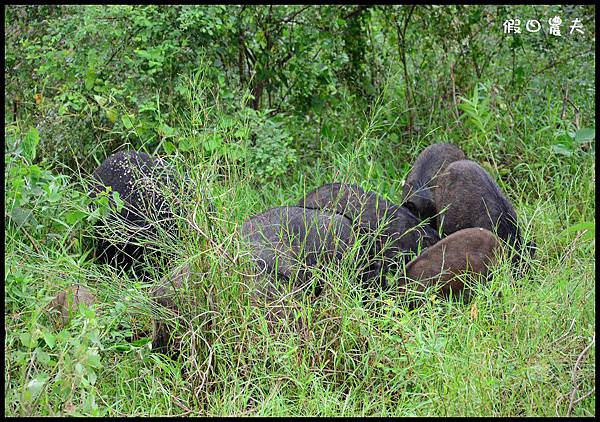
(444, 193)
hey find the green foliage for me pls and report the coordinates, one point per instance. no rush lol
(62, 365)
(260, 104)
(273, 155)
(568, 143)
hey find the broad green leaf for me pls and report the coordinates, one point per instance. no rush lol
(90, 78)
(27, 340)
(118, 201)
(88, 312)
(29, 144)
(169, 147)
(34, 387)
(585, 135)
(242, 133)
(100, 100)
(91, 377)
(166, 130)
(111, 115)
(141, 341)
(565, 139)
(93, 359)
(42, 356)
(73, 217)
(588, 227)
(212, 143)
(49, 339)
(127, 121)
(562, 150)
(20, 215)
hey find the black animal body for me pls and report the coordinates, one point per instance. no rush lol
(165, 294)
(392, 230)
(288, 243)
(473, 199)
(141, 182)
(418, 190)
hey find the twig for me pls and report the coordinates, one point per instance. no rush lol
(31, 239)
(177, 401)
(554, 63)
(291, 17)
(234, 260)
(401, 34)
(580, 358)
(576, 112)
(133, 34)
(585, 396)
(563, 112)
(565, 333)
(192, 222)
(289, 88)
(453, 89)
(571, 247)
(356, 11)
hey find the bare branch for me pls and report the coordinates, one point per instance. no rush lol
(359, 10)
(572, 400)
(291, 17)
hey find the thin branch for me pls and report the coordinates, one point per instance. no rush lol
(289, 88)
(585, 396)
(558, 340)
(577, 113)
(410, 13)
(121, 47)
(556, 62)
(179, 403)
(580, 358)
(401, 33)
(31, 239)
(563, 112)
(453, 89)
(291, 17)
(357, 11)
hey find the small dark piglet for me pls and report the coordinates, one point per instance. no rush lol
(418, 190)
(469, 251)
(66, 303)
(165, 294)
(290, 242)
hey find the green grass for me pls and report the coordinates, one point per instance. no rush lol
(507, 354)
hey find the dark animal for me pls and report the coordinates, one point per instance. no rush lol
(289, 243)
(67, 302)
(473, 199)
(393, 231)
(165, 294)
(468, 251)
(290, 246)
(418, 190)
(142, 183)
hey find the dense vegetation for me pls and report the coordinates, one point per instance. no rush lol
(260, 104)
